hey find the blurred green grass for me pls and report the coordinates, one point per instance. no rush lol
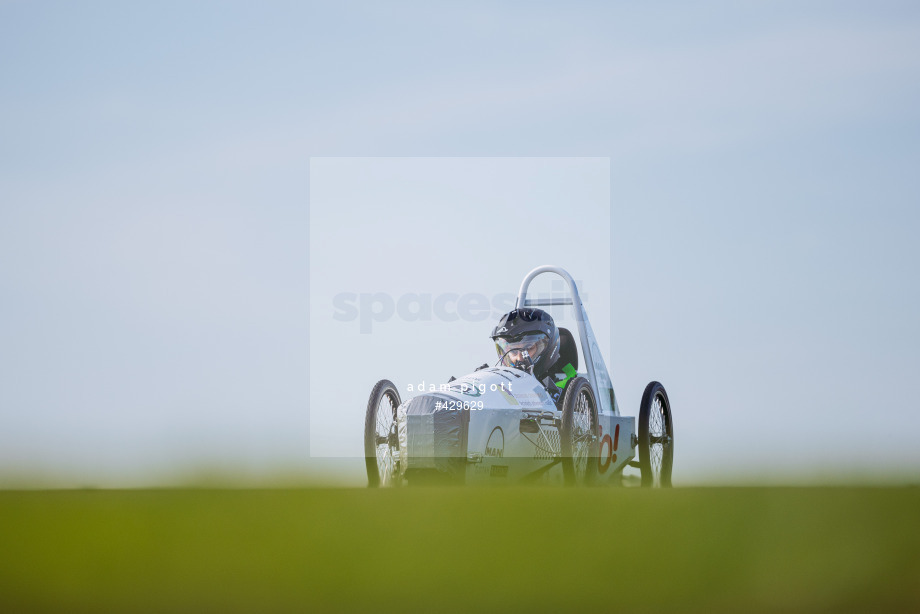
(461, 550)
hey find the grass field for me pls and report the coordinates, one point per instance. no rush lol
(461, 550)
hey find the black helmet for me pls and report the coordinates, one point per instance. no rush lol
(530, 330)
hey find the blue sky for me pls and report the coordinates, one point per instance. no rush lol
(154, 183)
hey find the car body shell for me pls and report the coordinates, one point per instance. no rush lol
(499, 425)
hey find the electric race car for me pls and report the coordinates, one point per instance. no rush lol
(521, 421)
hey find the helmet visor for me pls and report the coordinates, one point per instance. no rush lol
(521, 351)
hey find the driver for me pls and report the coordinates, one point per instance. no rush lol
(528, 339)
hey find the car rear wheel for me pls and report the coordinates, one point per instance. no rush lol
(656, 437)
(579, 433)
(380, 441)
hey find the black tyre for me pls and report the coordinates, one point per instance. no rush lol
(656, 437)
(381, 445)
(578, 435)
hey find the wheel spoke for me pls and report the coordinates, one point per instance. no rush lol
(386, 413)
(385, 423)
(385, 463)
(581, 435)
(657, 439)
(578, 432)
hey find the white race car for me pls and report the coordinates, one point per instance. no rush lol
(501, 424)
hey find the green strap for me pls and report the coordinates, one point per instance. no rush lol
(570, 372)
